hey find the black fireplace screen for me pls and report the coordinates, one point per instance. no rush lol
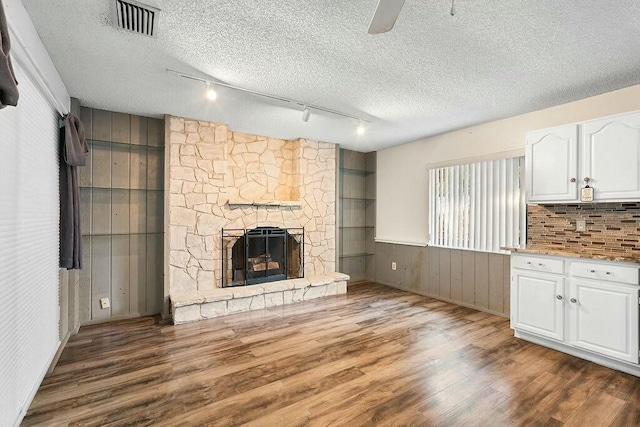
(262, 254)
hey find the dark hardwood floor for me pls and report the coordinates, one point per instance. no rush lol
(374, 356)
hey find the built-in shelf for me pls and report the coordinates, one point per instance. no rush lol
(122, 189)
(122, 234)
(361, 254)
(109, 144)
(356, 198)
(360, 199)
(356, 171)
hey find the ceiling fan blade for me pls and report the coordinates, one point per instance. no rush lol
(385, 16)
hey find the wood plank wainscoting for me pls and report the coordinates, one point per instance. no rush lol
(376, 355)
(473, 279)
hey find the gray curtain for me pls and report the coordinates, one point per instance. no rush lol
(8, 82)
(73, 154)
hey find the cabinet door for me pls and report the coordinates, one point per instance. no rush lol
(603, 318)
(611, 157)
(537, 303)
(552, 165)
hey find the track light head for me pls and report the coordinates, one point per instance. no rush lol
(211, 93)
(305, 114)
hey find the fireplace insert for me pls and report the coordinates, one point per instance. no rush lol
(262, 254)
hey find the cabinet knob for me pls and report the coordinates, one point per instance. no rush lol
(559, 296)
(540, 264)
(572, 180)
(592, 271)
(528, 262)
(608, 273)
(587, 179)
(573, 300)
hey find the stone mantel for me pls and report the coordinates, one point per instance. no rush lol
(291, 204)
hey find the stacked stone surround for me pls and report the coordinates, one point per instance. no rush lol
(199, 305)
(217, 178)
(613, 229)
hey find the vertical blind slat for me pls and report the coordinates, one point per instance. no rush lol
(483, 195)
(503, 203)
(472, 206)
(510, 202)
(456, 203)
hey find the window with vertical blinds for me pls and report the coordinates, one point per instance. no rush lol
(478, 206)
(29, 235)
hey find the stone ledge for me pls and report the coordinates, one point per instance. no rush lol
(197, 305)
(241, 203)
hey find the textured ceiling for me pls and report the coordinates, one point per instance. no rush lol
(431, 74)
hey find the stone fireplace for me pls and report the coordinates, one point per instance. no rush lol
(218, 179)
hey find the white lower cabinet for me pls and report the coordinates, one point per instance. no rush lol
(585, 308)
(603, 318)
(536, 303)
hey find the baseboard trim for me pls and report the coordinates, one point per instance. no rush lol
(619, 365)
(438, 297)
(32, 394)
(113, 319)
(56, 356)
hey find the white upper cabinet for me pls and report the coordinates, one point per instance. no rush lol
(552, 165)
(611, 157)
(605, 153)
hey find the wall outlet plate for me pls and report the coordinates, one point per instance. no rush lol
(104, 303)
(394, 266)
(581, 225)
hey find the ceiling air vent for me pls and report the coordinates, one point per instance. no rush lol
(136, 17)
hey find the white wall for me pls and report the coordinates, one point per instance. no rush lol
(29, 219)
(402, 200)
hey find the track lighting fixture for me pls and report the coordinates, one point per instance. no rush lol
(211, 93)
(305, 114)
(306, 111)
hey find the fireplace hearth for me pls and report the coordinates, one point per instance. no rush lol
(261, 254)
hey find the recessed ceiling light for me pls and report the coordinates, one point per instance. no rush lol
(360, 129)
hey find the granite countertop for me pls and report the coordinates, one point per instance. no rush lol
(544, 250)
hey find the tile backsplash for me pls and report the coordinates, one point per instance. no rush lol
(612, 228)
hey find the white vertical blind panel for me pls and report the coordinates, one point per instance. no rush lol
(478, 206)
(29, 245)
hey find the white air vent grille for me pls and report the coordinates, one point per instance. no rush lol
(136, 17)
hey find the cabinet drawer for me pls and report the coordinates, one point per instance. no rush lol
(606, 272)
(547, 265)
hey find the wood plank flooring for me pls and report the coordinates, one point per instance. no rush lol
(376, 356)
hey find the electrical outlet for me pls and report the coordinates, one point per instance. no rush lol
(394, 267)
(581, 225)
(104, 303)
